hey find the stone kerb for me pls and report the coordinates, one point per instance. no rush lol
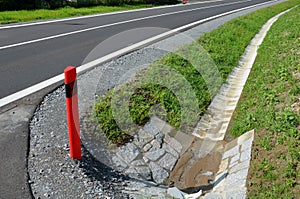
(230, 181)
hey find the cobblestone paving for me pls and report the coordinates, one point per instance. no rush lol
(154, 152)
(151, 157)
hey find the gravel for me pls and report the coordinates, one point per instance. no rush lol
(53, 174)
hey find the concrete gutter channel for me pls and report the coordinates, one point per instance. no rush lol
(15, 140)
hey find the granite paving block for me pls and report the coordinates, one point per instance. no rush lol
(235, 184)
(173, 143)
(231, 152)
(159, 174)
(167, 161)
(170, 150)
(151, 129)
(175, 193)
(142, 138)
(243, 165)
(245, 155)
(234, 158)
(147, 161)
(153, 192)
(129, 152)
(144, 172)
(247, 144)
(237, 194)
(147, 147)
(155, 143)
(154, 154)
(160, 137)
(139, 162)
(120, 164)
(213, 196)
(131, 172)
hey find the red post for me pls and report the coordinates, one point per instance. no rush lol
(72, 112)
(184, 1)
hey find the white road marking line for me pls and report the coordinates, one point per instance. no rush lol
(113, 24)
(98, 15)
(83, 68)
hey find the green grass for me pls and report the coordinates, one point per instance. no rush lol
(225, 45)
(270, 104)
(7, 17)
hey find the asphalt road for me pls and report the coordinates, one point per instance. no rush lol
(33, 53)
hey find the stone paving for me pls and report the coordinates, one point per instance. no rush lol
(150, 158)
(231, 178)
(156, 149)
(153, 153)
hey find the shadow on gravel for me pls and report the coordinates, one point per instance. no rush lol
(97, 171)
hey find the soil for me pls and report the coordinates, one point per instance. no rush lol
(192, 173)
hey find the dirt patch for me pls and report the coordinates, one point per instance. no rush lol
(192, 173)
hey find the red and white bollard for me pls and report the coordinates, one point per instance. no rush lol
(72, 112)
(184, 1)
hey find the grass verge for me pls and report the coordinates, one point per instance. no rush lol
(225, 45)
(270, 104)
(7, 17)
